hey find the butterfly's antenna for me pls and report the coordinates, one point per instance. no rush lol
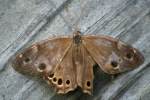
(76, 27)
(83, 6)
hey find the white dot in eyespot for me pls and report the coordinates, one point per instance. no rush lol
(116, 68)
(34, 48)
(20, 56)
(39, 70)
(134, 50)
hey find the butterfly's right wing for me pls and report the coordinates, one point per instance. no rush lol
(112, 55)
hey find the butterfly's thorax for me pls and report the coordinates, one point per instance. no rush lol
(77, 39)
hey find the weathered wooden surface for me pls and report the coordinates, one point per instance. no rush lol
(23, 22)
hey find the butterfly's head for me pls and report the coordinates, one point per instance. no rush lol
(77, 37)
(24, 61)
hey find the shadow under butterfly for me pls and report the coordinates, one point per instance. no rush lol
(66, 63)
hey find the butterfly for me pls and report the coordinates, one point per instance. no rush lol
(66, 63)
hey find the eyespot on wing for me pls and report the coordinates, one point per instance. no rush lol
(23, 62)
(123, 58)
(131, 56)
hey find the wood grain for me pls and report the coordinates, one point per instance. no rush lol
(128, 20)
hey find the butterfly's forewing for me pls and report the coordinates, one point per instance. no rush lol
(112, 55)
(41, 57)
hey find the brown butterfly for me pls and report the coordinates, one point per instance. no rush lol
(67, 62)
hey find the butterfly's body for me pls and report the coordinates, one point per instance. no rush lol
(67, 62)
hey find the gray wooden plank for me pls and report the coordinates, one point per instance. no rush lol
(16, 15)
(45, 15)
(26, 31)
(129, 20)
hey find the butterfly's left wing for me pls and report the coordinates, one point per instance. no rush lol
(112, 55)
(50, 59)
(42, 56)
